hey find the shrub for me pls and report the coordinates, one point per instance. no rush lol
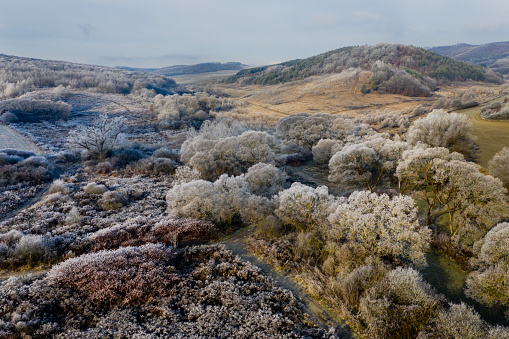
(18, 249)
(323, 150)
(28, 110)
(488, 284)
(212, 154)
(442, 129)
(58, 186)
(303, 207)
(499, 166)
(384, 226)
(112, 200)
(129, 275)
(18, 167)
(220, 202)
(184, 174)
(399, 306)
(125, 156)
(306, 129)
(265, 179)
(93, 188)
(153, 166)
(459, 321)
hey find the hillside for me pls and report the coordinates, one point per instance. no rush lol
(207, 67)
(19, 75)
(400, 69)
(493, 55)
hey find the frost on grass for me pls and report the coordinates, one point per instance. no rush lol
(153, 291)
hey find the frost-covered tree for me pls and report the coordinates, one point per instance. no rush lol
(324, 150)
(102, 136)
(442, 129)
(220, 201)
(490, 283)
(265, 179)
(304, 207)
(474, 201)
(499, 166)
(399, 305)
(229, 148)
(449, 185)
(385, 226)
(367, 163)
(306, 130)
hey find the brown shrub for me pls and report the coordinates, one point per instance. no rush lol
(124, 276)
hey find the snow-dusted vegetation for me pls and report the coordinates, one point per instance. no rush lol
(137, 184)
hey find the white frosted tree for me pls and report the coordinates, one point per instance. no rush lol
(499, 166)
(442, 129)
(450, 185)
(323, 150)
(102, 136)
(220, 201)
(265, 179)
(383, 225)
(490, 283)
(368, 163)
(304, 207)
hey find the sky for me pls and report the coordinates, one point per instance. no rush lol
(159, 33)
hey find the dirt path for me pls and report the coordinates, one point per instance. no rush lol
(9, 138)
(353, 90)
(235, 243)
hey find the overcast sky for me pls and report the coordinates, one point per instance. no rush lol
(158, 33)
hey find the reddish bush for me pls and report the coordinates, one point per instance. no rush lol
(127, 275)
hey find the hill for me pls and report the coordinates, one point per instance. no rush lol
(493, 55)
(19, 75)
(207, 67)
(396, 68)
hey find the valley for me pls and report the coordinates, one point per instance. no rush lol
(276, 201)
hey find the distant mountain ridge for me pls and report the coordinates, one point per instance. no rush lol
(494, 55)
(206, 67)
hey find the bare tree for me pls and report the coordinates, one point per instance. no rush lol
(102, 136)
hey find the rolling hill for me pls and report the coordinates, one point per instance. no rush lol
(208, 67)
(493, 55)
(397, 68)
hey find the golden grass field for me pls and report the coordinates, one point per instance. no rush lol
(340, 94)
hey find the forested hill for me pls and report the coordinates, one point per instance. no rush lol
(494, 55)
(206, 67)
(18, 75)
(415, 61)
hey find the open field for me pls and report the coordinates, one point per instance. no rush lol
(491, 135)
(340, 94)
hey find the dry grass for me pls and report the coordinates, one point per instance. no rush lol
(338, 94)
